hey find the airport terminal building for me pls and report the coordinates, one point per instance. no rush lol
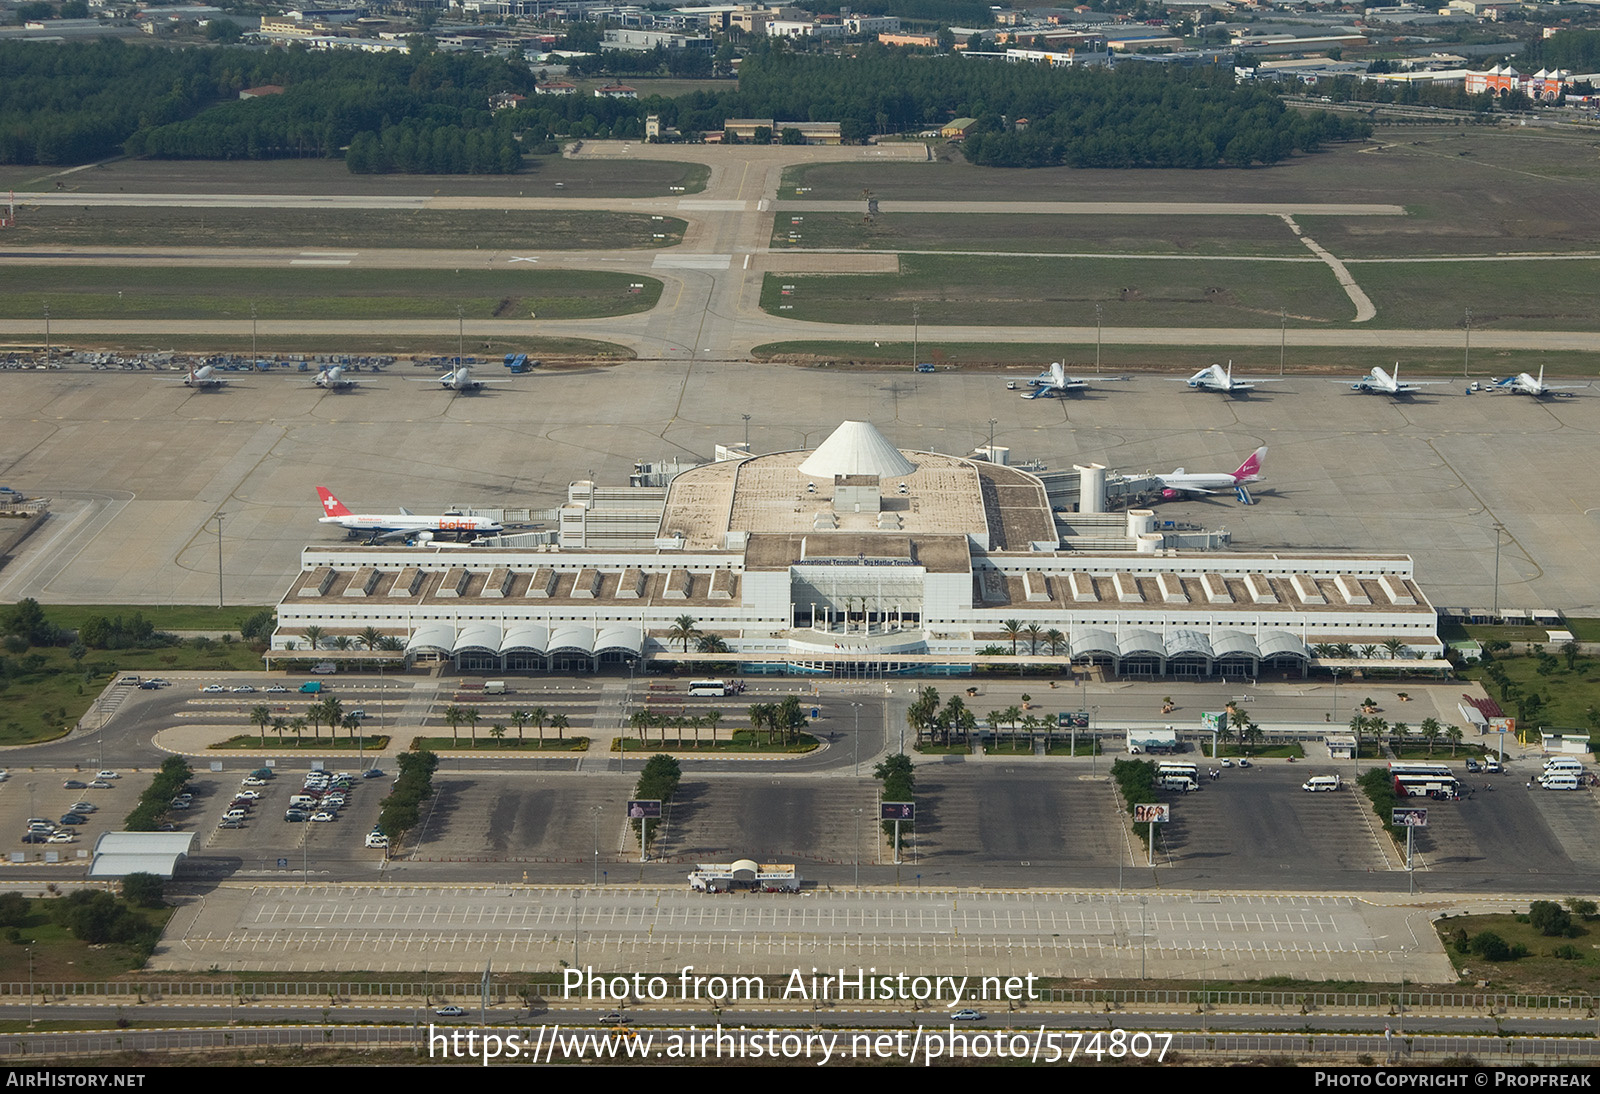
(857, 559)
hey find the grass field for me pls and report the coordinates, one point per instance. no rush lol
(182, 292)
(447, 229)
(1032, 232)
(59, 957)
(1006, 291)
(541, 176)
(1540, 972)
(165, 617)
(1569, 693)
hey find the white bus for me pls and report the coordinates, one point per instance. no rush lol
(1182, 771)
(707, 687)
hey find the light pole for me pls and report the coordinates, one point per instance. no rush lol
(1498, 528)
(1466, 356)
(255, 357)
(461, 338)
(219, 559)
(916, 330)
(595, 810)
(1097, 339)
(992, 422)
(858, 812)
(1283, 336)
(857, 707)
(746, 418)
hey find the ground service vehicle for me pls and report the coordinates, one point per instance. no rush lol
(707, 687)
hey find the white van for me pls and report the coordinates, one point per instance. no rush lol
(1559, 782)
(1181, 783)
(1320, 782)
(1565, 766)
(494, 687)
(302, 799)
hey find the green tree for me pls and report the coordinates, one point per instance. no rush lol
(144, 890)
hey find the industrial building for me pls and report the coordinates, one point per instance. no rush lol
(857, 558)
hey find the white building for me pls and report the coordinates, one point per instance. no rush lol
(860, 559)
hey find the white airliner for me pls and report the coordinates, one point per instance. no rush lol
(205, 376)
(1523, 384)
(334, 379)
(1216, 378)
(1181, 483)
(1379, 382)
(460, 380)
(403, 524)
(1055, 381)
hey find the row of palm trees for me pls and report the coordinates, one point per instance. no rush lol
(1431, 731)
(1055, 642)
(539, 716)
(370, 638)
(325, 711)
(643, 721)
(1393, 647)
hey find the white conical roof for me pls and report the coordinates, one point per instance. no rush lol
(856, 448)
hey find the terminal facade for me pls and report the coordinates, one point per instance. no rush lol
(859, 559)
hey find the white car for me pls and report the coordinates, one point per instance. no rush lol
(61, 837)
(377, 840)
(213, 689)
(247, 795)
(108, 775)
(323, 817)
(251, 780)
(244, 689)
(276, 689)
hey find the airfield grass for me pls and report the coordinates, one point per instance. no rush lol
(542, 176)
(184, 292)
(1020, 360)
(1502, 295)
(165, 617)
(57, 957)
(1020, 233)
(1015, 290)
(1569, 694)
(449, 229)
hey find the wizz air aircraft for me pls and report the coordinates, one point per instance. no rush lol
(1216, 378)
(403, 524)
(1182, 483)
(1379, 382)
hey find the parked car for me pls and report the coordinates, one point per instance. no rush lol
(372, 773)
(213, 689)
(108, 775)
(99, 784)
(277, 689)
(450, 1012)
(74, 784)
(244, 689)
(74, 818)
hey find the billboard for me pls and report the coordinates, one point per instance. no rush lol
(901, 811)
(1409, 818)
(644, 809)
(1152, 814)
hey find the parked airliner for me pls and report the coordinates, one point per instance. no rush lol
(1182, 483)
(460, 380)
(1523, 384)
(1216, 378)
(1055, 381)
(1379, 382)
(403, 524)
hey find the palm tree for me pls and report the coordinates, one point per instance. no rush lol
(370, 637)
(1431, 732)
(453, 715)
(1358, 726)
(1012, 630)
(498, 732)
(559, 723)
(1034, 631)
(312, 635)
(640, 721)
(522, 718)
(261, 716)
(1251, 735)
(278, 726)
(683, 631)
(1013, 715)
(470, 716)
(352, 725)
(1055, 642)
(1453, 735)
(539, 716)
(712, 718)
(1344, 650)
(314, 715)
(332, 713)
(342, 642)
(1394, 646)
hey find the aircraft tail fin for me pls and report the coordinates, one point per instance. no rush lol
(1251, 468)
(1058, 375)
(404, 512)
(331, 505)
